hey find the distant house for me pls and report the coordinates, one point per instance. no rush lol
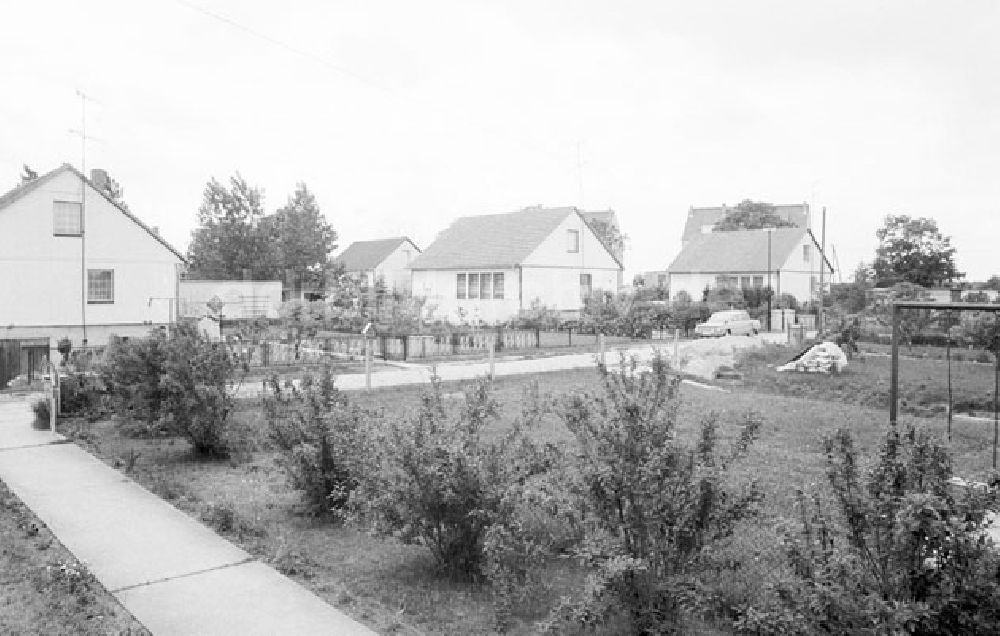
(657, 279)
(702, 220)
(74, 263)
(488, 268)
(790, 262)
(385, 259)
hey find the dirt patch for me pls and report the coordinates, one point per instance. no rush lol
(43, 589)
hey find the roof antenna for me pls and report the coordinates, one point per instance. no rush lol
(82, 133)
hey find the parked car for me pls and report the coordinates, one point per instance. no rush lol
(734, 322)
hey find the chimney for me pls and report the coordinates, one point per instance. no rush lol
(99, 177)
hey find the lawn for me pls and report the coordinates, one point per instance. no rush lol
(394, 588)
(43, 589)
(923, 381)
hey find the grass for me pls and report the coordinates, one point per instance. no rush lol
(43, 589)
(922, 381)
(393, 587)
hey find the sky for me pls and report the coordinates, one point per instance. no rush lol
(403, 116)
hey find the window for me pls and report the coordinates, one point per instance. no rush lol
(485, 284)
(758, 281)
(805, 253)
(573, 241)
(473, 286)
(498, 285)
(67, 218)
(100, 286)
(586, 286)
(745, 282)
(727, 282)
(661, 280)
(461, 286)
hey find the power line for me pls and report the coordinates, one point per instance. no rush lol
(457, 117)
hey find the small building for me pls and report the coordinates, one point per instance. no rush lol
(486, 269)
(75, 263)
(387, 260)
(239, 299)
(786, 259)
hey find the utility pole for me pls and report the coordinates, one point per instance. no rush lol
(770, 288)
(822, 270)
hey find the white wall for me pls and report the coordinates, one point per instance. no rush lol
(395, 269)
(242, 298)
(440, 288)
(41, 282)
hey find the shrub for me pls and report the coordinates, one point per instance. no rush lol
(64, 347)
(434, 480)
(193, 388)
(651, 505)
(908, 555)
(132, 371)
(43, 414)
(319, 435)
(82, 394)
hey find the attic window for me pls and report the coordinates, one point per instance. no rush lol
(573, 241)
(67, 218)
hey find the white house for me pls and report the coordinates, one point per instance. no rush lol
(75, 264)
(488, 268)
(386, 259)
(702, 220)
(786, 259)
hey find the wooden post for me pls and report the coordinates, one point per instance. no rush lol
(894, 371)
(948, 353)
(996, 394)
(492, 347)
(677, 349)
(368, 364)
(600, 346)
(571, 336)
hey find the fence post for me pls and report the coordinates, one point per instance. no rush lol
(570, 336)
(538, 337)
(492, 347)
(600, 346)
(368, 364)
(677, 349)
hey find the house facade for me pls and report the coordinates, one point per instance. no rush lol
(786, 259)
(387, 260)
(486, 269)
(75, 264)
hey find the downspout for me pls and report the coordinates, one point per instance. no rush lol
(520, 287)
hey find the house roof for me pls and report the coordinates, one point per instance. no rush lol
(602, 216)
(363, 256)
(25, 188)
(740, 251)
(697, 218)
(494, 240)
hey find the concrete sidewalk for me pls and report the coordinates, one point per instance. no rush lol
(172, 573)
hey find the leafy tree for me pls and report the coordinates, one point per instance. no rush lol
(231, 236)
(610, 235)
(992, 283)
(852, 297)
(913, 251)
(303, 239)
(751, 215)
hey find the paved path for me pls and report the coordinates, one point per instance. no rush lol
(698, 357)
(172, 573)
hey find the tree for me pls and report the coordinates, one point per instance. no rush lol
(751, 215)
(27, 174)
(992, 283)
(914, 251)
(303, 239)
(231, 236)
(610, 235)
(851, 298)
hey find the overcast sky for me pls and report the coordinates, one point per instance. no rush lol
(402, 116)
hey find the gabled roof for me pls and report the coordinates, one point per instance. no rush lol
(362, 256)
(24, 188)
(697, 218)
(494, 240)
(601, 216)
(740, 251)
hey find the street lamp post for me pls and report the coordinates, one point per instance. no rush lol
(770, 290)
